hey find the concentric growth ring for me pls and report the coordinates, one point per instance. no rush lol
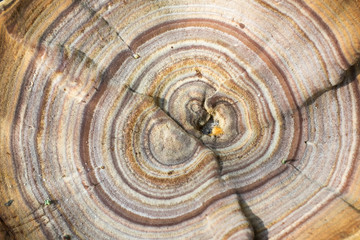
(184, 119)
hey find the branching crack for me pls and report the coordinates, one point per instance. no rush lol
(197, 139)
(347, 77)
(336, 194)
(9, 234)
(94, 13)
(82, 55)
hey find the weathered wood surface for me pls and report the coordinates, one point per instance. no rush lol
(179, 119)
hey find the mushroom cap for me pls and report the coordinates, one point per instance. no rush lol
(179, 119)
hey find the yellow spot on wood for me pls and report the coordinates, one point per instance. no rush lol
(216, 131)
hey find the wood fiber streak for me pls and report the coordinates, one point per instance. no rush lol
(179, 119)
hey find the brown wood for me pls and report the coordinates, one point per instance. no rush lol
(179, 119)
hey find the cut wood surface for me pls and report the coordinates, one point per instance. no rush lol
(180, 119)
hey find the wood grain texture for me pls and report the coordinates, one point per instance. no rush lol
(179, 119)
